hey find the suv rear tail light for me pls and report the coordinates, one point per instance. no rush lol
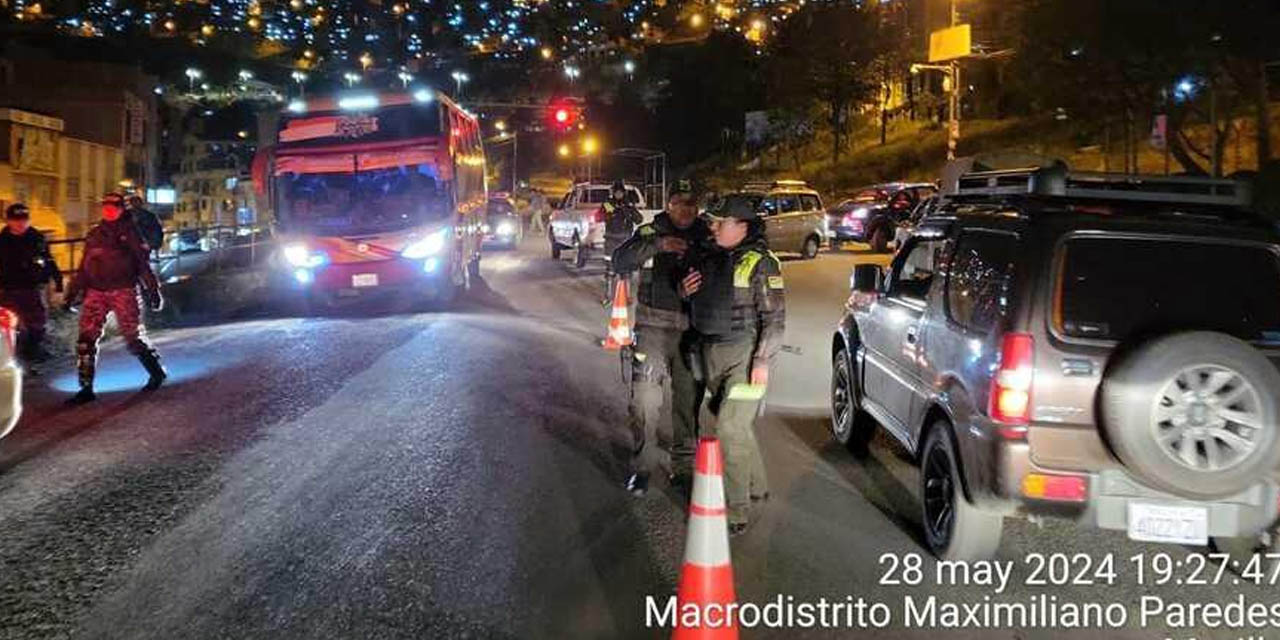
(598, 216)
(1010, 399)
(8, 328)
(1051, 487)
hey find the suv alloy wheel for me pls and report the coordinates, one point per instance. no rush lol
(954, 528)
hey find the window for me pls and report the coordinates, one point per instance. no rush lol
(73, 189)
(913, 272)
(789, 203)
(768, 206)
(810, 202)
(1118, 288)
(980, 277)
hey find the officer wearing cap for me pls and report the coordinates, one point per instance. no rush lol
(661, 382)
(737, 309)
(26, 266)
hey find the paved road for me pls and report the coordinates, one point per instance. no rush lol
(442, 475)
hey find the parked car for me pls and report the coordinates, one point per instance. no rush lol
(502, 225)
(10, 373)
(907, 226)
(793, 215)
(873, 213)
(578, 221)
(1092, 346)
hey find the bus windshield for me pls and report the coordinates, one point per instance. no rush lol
(373, 201)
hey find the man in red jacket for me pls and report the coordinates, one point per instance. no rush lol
(114, 264)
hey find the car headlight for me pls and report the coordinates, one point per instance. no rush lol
(428, 246)
(860, 212)
(506, 228)
(298, 255)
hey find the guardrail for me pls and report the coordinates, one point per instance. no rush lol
(188, 252)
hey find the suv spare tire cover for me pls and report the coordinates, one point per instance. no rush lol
(1194, 414)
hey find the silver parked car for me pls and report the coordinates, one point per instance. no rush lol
(10, 374)
(793, 215)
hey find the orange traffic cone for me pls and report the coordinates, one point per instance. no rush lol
(706, 580)
(619, 335)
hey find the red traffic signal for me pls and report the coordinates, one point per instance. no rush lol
(563, 114)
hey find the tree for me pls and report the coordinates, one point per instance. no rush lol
(827, 53)
(1121, 62)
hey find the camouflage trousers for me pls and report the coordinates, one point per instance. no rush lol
(127, 307)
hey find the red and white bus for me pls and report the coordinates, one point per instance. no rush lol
(376, 193)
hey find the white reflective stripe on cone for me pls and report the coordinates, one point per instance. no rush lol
(619, 313)
(708, 491)
(708, 541)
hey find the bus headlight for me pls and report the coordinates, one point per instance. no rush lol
(298, 255)
(431, 245)
(506, 228)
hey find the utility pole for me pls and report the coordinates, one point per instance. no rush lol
(953, 130)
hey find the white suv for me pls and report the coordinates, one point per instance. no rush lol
(10, 374)
(578, 221)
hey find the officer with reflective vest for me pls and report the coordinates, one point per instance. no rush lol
(737, 309)
(662, 252)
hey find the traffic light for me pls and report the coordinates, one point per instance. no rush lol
(563, 114)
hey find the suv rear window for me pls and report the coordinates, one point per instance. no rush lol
(1115, 288)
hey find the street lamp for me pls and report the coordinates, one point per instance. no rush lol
(460, 78)
(547, 53)
(629, 67)
(564, 151)
(299, 77)
(405, 76)
(351, 78)
(500, 125)
(572, 72)
(245, 75)
(194, 74)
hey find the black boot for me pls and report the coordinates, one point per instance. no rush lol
(86, 365)
(151, 361)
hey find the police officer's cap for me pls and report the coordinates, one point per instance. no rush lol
(17, 211)
(682, 188)
(738, 206)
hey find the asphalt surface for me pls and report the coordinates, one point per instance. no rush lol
(454, 474)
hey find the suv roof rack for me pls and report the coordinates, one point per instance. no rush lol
(1057, 181)
(774, 184)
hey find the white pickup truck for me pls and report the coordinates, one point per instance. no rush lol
(579, 222)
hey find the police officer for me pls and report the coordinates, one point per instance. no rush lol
(737, 309)
(662, 251)
(148, 223)
(620, 220)
(114, 264)
(26, 266)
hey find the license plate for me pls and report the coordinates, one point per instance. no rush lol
(364, 280)
(1174, 525)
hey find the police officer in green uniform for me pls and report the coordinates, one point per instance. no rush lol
(737, 309)
(662, 252)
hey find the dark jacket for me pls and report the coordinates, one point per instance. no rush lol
(115, 257)
(149, 227)
(660, 304)
(741, 299)
(620, 221)
(25, 261)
